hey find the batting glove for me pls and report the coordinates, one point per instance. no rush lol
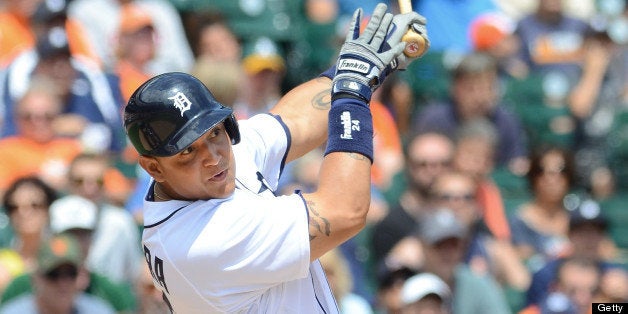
(363, 59)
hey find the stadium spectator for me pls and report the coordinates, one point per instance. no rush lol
(476, 144)
(397, 95)
(135, 49)
(26, 203)
(539, 227)
(475, 93)
(115, 250)
(102, 17)
(588, 227)
(387, 144)
(341, 283)
(573, 290)
(443, 238)
(553, 41)
(22, 21)
(36, 148)
(426, 156)
(77, 217)
(390, 282)
(214, 39)
(149, 299)
(485, 253)
(425, 293)
(55, 282)
(494, 33)
(91, 98)
(218, 61)
(264, 68)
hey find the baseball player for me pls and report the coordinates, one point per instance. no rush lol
(216, 237)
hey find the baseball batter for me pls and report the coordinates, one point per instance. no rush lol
(217, 239)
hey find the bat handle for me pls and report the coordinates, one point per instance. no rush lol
(405, 6)
(415, 43)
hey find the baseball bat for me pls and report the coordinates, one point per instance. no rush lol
(415, 43)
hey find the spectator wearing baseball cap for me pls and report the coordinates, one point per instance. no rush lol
(484, 252)
(54, 13)
(425, 293)
(264, 67)
(390, 281)
(72, 212)
(58, 257)
(588, 239)
(494, 33)
(443, 238)
(73, 217)
(91, 97)
(263, 54)
(55, 283)
(441, 226)
(573, 290)
(20, 26)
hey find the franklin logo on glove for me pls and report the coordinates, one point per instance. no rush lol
(354, 65)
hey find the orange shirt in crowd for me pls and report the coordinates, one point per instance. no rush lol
(386, 145)
(130, 78)
(494, 213)
(20, 157)
(16, 36)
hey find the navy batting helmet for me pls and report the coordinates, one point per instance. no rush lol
(170, 111)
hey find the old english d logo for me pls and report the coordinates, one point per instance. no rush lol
(181, 102)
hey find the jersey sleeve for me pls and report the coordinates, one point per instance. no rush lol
(266, 139)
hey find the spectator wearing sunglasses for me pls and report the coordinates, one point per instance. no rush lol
(426, 156)
(485, 254)
(115, 248)
(36, 148)
(26, 204)
(76, 216)
(55, 281)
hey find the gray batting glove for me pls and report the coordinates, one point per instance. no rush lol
(364, 57)
(400, 25)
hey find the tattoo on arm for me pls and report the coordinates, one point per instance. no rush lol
(358, 156)
(319, 223)
(322, 100)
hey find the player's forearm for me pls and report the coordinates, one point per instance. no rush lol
(338, 209)
(304, 110)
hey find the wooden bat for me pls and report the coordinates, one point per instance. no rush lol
(415, 43)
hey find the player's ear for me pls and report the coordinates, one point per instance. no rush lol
(151, 166)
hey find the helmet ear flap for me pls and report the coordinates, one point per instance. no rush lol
(231, 125)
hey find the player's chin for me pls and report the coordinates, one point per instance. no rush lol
(224, 189)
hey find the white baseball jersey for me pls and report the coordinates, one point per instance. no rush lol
(249, 253)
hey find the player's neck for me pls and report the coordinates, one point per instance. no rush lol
(159, 195)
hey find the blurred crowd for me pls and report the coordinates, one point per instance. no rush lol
(500, 179)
